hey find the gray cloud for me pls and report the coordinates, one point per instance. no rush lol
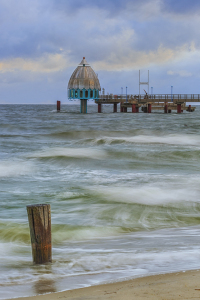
(182, 6)
(84, 26)
(41, 42)
(112, 6)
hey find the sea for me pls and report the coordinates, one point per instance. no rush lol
(124, 191)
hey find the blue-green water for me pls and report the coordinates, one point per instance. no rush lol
(124, 191)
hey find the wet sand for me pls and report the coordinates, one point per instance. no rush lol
(182, 285)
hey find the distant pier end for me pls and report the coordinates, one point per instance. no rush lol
(83, 84)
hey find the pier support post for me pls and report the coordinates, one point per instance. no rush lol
(189, 108)
(121, 108)
(178, 108)
(134, 108)
(58, 105)
(115, 107)
(137, 109)
(165, 108)
(39, 217)
(149, 107)
(99, 107)
(83, 106)
(169, 111)
(145, 109)
(125, 109)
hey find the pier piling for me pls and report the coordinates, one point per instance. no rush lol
(149, 107)
(145, 109)
(115, 107)
(125, 109)
(166, 108)
(99, 108)
(178, 108)
(39, 217)
(58, 105)
(134, 108)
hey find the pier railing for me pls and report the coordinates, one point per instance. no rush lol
(151, 98)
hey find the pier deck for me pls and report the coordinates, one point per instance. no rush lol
(166, 102)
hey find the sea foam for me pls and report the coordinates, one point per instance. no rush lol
(170, 139)
(70, 152)
(13, 169)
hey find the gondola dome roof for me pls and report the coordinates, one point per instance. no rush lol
(84, 77)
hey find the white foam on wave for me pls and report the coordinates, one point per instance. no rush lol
(71, 152)
(148, 194)
(82, 233)
(13, 169)
(171, 139)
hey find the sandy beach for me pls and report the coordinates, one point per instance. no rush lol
(181, 285)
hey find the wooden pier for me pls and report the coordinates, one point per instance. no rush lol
(165, 102)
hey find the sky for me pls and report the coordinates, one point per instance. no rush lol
(43, 41)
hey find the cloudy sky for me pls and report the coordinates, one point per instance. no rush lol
(43, 41)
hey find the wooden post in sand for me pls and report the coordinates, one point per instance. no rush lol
(39, 217)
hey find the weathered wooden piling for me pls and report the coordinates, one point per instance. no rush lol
(58, 105)
(125, 109)
(178, 108)
(145, 109)
(99, 108)
(133, 108)
(115, 107)
(166, 108)
(39, 217)
(149, 108)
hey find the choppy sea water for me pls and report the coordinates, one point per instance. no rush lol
(124, 191)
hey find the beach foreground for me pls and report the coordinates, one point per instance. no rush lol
(182, 285)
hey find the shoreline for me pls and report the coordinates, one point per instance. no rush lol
(178, 285)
